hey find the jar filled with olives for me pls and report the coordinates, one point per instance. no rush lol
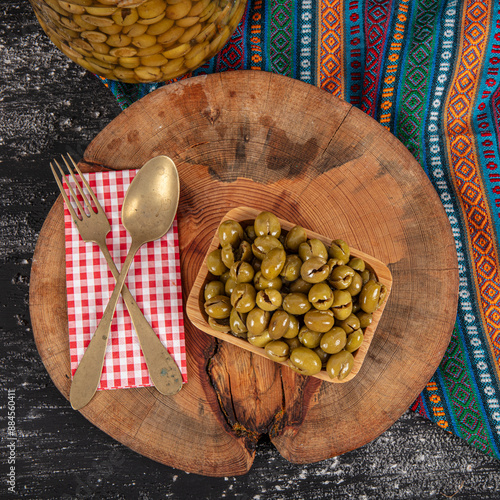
(139, 41)
(293, 296)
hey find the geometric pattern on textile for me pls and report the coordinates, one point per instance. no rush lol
(463, 402)
(330, 67)
(418, 67)
(464, 166)
(281, 49)
(376, 25)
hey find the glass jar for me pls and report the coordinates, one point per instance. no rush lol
(139, 41)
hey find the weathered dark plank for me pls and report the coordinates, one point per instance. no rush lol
(49, 106)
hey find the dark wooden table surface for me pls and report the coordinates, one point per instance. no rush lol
(49, 106)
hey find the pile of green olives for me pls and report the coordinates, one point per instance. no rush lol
(139, 41)
(306, 304)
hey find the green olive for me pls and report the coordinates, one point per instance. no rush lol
(278, 350)
(225, 276)
(356, 285)
(357, 264)
(314, 270)
(243, 297)
(355, 304)
(291, 269)
(334, 340)
(339, 365)
(215, 264)
(228, 255)
(339, 249)
(341, 277)
(371, 296)
(218, 307)
(365, 319)
(367, 275)
(262, 245)
(273, 263)
(256, 263)
(300, 286)
(293, 342)
(342, 304)
(319, 321)
(267, 223)
(313, 248)
(257, 321)
(244, 252)
(334, 262)
(220, 325)
(323, 356)
(260, 339)
(309, 338)
(349, 324)
(230, 233)
(213, 288)
(261, 283)
(242, 272)
(321, 296)
(230, 286)
(268, 299)
(354, 340)
(237, 323)
(296, 303)
(293, 327)
(304, 361)
(294, 238)
(250, 234)
(279, 324)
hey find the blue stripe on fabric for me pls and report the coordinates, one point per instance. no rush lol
(305, 28)
(484, 126)
(432, 83)
(411, 15)
(354, 52)
(266, 14)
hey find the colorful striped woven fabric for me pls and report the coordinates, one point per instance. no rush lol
(429, 71)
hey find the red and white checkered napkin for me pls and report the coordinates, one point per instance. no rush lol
(154, 280)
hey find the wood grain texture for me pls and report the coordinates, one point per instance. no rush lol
(309, 158)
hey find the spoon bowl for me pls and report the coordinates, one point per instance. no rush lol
(151, 201)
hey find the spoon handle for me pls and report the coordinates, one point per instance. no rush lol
(163, 370)
(88, 374)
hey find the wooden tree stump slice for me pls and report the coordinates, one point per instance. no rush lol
(269, 142)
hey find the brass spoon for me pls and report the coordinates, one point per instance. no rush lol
(148, 212)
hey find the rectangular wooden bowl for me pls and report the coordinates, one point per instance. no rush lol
(198, 317)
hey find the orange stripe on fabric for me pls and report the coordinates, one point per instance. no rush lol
(464, 159)
(331, 67)
(393, 57)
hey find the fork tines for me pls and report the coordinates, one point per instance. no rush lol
(74, 196)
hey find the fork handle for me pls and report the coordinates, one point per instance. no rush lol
(88, 374)
(163, 370)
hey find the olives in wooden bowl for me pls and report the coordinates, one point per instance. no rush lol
(284, 292)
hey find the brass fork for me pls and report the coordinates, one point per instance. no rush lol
(94, 226)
